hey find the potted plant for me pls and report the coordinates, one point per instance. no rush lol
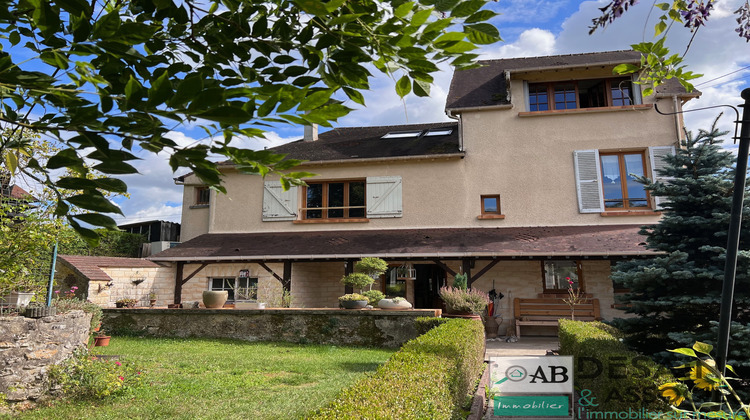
(247, 298)
(152, 299)
(365, 272)
(459, 301)
(373, 296)
(397, 303)
(353, 301)
(101, 340)
(126, 303)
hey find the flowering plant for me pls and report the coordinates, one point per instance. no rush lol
(129, 303)
(705, 376)
(69, 294)
(575, 297)
(84, 376)
(464, 300)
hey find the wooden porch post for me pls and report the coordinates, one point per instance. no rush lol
(178, 282)
(349, 270)
(466, 265)
(286, 283)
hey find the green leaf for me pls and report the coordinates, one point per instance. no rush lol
(662, 6)
(659, 28)
(315, 100)
(94, 202)
(14, 38)
(97, 219)
(482, 33)
(445, 5)
(702, 347)
(313, 7)
(132, 90)
(420, 17)
(403, 86)
(467, 8)
(421, 88)
(685, 351)
(11, 161)
(160, 90)
(90, 236)
(480, 16)
(403, 10)
(115, 167)
(64, 159)
(625, 69)
(228, 115)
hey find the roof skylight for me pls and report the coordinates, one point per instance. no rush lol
(438, 132)
(402, 134)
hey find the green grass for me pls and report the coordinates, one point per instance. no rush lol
(223, 379)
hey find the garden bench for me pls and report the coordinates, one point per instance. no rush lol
(544, 312)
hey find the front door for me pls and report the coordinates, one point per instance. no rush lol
(430, 278)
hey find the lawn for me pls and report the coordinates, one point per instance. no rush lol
(223, 379)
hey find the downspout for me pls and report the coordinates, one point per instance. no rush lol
(457, 117)
(677, 125)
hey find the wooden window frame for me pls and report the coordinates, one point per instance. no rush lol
(623, 185)
(609, 83)
(199, 191)
(490, 215)
(324, 208)
(579, 273)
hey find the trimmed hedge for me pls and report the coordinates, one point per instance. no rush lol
(431, 377)
(426, 323)
(619, 379)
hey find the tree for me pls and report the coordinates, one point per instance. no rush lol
(657, 62)
(677, 295)
(107, 78)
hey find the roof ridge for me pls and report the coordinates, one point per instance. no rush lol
(555, 55)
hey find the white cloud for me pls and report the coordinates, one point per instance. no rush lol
(532, 42)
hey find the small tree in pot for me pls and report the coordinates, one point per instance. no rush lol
(365, 272)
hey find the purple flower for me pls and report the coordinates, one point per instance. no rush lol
(743, 20)
(697, 13)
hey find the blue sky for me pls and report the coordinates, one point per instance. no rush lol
(528, 28)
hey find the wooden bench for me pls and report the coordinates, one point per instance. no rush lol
(544, 312)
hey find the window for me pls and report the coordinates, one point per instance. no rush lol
(558, 273)
(334, 200)
(592, 93)
(202, 196)
(490, 204)
(392, 286)
(243, 288)
(620, 189)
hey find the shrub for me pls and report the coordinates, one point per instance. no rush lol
(373, 296)
(352, 297)
(619, 379)
(429, 377)
(425, 323)
(67, 305)
(371, 266)
(464, 301)
(358, 280)
(460, 281)
(82, 377)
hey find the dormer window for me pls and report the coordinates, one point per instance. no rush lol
(581, 94)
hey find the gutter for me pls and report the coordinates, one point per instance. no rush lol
(451, 111)
(459, 155)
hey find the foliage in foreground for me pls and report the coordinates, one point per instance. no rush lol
(429, 377)
(706, 378)
(619, 379)
(105, 79)
(67, 304)
(86, 377)
(677, 294)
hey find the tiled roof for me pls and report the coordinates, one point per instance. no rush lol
(91, 267)
(367, 143)
(572, 241)
(486, 86)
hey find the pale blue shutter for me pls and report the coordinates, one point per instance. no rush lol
(588, 181)
(279, 205)
(384, 197)
(656, 156)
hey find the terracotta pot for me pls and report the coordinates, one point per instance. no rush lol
(174, 306)
(213, 299)
(101, 341)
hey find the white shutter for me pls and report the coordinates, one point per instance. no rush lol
(588, 184)
(384, 197)
(279, 205)
(656, 156)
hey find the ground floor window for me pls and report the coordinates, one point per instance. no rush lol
(393, 287)
(243, 288)
(557, 274)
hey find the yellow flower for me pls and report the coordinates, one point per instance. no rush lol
(703, 378)
(674, 392)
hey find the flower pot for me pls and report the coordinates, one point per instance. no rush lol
(19, 299)
(152, 302)
(353, 304)
(249, 305)
(101, 340)
(213, 299)
(119, 305)
(390, 305)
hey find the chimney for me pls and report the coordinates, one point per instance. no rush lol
(311, 132)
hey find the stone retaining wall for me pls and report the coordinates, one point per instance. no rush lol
(29, 346)
(375, 328)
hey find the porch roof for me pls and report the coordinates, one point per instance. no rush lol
(90, 267)
(603, 241)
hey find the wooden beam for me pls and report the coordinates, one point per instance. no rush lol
(187, 279)
(466, 266)
(276, 276)
(178, 283)
(481, 272)
(287, 281)
(444, 267)
(349, 269)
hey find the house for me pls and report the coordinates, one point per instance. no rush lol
(529, 186)
(159, 234)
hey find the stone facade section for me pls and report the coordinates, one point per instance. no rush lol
(28, 347)
(318, 326)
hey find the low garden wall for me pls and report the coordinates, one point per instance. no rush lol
(29, 346)
(375, 328)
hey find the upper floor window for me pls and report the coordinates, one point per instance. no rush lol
(202, 195)
(619, 185)
(590, 93)
(334, 200)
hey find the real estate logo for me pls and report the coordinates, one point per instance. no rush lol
(532, 386)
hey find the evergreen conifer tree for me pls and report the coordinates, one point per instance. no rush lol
(677, 296)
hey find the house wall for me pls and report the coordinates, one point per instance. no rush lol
(268, 287)
(506, 154)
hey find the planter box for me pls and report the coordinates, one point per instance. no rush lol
(18, 299)
(249, 305)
